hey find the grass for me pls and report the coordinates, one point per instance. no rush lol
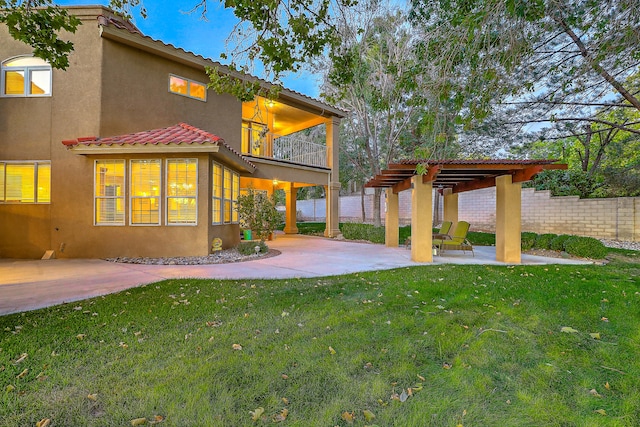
(475, 345)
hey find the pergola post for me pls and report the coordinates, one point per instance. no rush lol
(290, 226)
(450, 208)
(421, 220)
(508, 219)
(391, 219)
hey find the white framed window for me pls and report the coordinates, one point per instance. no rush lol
(144, 192)
(182, 191)
(187, 87)
(216, 194)
(25, 76)
(109, 192)
(25, 182)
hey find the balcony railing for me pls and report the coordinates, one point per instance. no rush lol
(287, 148)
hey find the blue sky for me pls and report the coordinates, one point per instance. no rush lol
(169, 21)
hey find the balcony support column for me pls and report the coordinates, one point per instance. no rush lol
(290, 226)
(333, 187)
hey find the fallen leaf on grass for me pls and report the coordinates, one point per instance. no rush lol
(256, 413)
(349, 417)
(595, 335)
(368, 415)
(568, 330)
(10, 388)
(21, 358)
(81, 336)
(600, 411)
(594, 392)
(236, 347)
(138, 422)
(331, 350)
(157, 419)
(93, 397)
(607, 386)
(45, 422)
(281, 416)
(23, 373)
(446, 365)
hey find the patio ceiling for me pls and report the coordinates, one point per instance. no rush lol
(459, 175)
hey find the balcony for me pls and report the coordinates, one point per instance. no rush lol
(258, 143)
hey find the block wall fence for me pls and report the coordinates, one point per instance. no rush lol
(615, 218)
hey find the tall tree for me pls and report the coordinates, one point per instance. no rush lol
(548, 61)
(374, 75)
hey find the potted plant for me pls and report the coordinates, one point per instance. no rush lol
(258, 213)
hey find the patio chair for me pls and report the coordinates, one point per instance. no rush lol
(443, 233)
(458, 241)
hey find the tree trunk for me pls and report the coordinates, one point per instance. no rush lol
(362, 204)
(377, 220)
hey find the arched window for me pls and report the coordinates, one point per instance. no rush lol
(26, 76)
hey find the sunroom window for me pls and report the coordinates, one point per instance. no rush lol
(182, 191)
(26, 76)
(187, 87)
(109, 187)
(145, 192)
(25, 182)
(226, 188)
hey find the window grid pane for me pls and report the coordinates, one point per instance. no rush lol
(44, 183)
(20, 183)
(227, 195)
(182, 186)
(109, 192)
(217, 194)
(177, 85)
(145, 192)
(40, 82)
(2, 169)
(234, 197)
(14, 83)
(197, 90)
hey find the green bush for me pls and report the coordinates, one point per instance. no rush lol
(357, 231)
(543, 241)
(527, 240)
(557, 243)
(480, 238)
(585, 247)
(249, 248)
(312, 228)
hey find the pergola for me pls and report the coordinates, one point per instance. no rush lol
(452, 177)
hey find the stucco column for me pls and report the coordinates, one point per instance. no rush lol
(290, 226)
(421, 220)
(508, 219)
(333, 189)
(450, 208)
(391, 220)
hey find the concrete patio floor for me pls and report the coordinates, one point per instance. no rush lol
(31, 284)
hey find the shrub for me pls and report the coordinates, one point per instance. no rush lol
(585, 247)
(249, 248)
(481, 239)
(543, 241)
(527, 240)
(557, 243)
(357, 231)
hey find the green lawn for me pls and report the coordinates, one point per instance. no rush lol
(422, 346)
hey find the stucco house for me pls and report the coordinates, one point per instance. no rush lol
(127, 153)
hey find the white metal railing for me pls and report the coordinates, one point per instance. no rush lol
(291, 149)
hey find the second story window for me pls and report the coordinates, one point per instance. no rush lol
(187, 87)
(26, 76)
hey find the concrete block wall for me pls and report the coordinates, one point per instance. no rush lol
(615, 218)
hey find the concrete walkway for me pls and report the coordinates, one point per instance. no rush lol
(32, 284)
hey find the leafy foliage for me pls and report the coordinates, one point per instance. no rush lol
(258, 213)
(358, 231)
(543, 241)
(38, 24)
(557, 243)
(249, 248)
(527, 240)
(586, 247)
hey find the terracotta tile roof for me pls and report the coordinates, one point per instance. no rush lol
(179, 134)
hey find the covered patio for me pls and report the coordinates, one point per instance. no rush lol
(451, 177)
